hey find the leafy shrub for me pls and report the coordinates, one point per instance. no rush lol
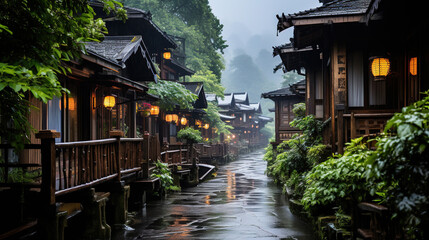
(190, 135)
(336, 179)
(402, 160)
(318, 154)
(172, 94)
(162, 172)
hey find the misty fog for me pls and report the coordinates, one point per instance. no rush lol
(250, 29)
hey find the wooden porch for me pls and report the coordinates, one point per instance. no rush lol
(82, 177)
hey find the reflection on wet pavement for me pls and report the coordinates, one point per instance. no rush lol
(240, 203)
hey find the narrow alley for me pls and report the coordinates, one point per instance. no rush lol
(241, 202)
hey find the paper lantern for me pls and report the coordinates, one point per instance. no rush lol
(109, 102)
(380, 67)
(206, 126)
(413, 66)
(183, 121)
(154, 110)
(166, 55)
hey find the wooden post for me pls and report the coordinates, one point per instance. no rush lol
(146, 154)
(340, 128)
(48, 222)
(117, 134)
(352, 126)
(47, 138)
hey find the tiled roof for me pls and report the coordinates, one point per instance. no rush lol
(227, 100)
(256, 107)
(282, 92)
(331, 9)
(241, 97)
(244, 107)
(117, 48)
(211, 97)
(336, 8)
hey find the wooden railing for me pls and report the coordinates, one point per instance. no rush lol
(177, 154)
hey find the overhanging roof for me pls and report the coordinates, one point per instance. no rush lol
(197, 88)
(337, 11)
(119, 49)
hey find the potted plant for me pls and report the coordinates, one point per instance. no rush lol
(144, 108)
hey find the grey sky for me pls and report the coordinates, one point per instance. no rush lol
(255, 20)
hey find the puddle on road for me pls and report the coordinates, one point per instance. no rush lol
(239, 203)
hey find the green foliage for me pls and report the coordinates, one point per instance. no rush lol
(317, 154)
(311, 127)
(194, 21)
(190, 135)
(36, 38)
(401, 160)
(213, 118)
(337, 179)
(210, 80)
(299, 154)
(162, 172)
(172, 94)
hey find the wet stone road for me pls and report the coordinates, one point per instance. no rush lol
(239, 203)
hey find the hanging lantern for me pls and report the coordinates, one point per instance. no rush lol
(166, 55)
(198, 123)
(175, 118)
(413, 66)
(154, 110)
(109, 102)
(250, 116)
(206, 126)
(380, 67)
(183, 121)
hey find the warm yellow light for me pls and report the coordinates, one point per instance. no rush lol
(250, 116)
(166, 55)
(72, 104)
(109, 102)
(154, 110)
(253, 126)
(380, 67)
(198, 123)
(233, 136)
(183, 121)
(413, 66)
(171, 118)
(206, 126)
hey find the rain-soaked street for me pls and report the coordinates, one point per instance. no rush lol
(239, 203)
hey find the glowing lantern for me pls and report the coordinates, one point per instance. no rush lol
(198, 123)
(413, 66)
(168, 117)
(233, 136)
(109, 102)
(166, 55)
(183, 121)
(250, 116)
(171, 118)
(154, 110)
(206, 126)
(380, 67)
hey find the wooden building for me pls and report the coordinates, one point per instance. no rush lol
(284, 99)
(362, 62)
